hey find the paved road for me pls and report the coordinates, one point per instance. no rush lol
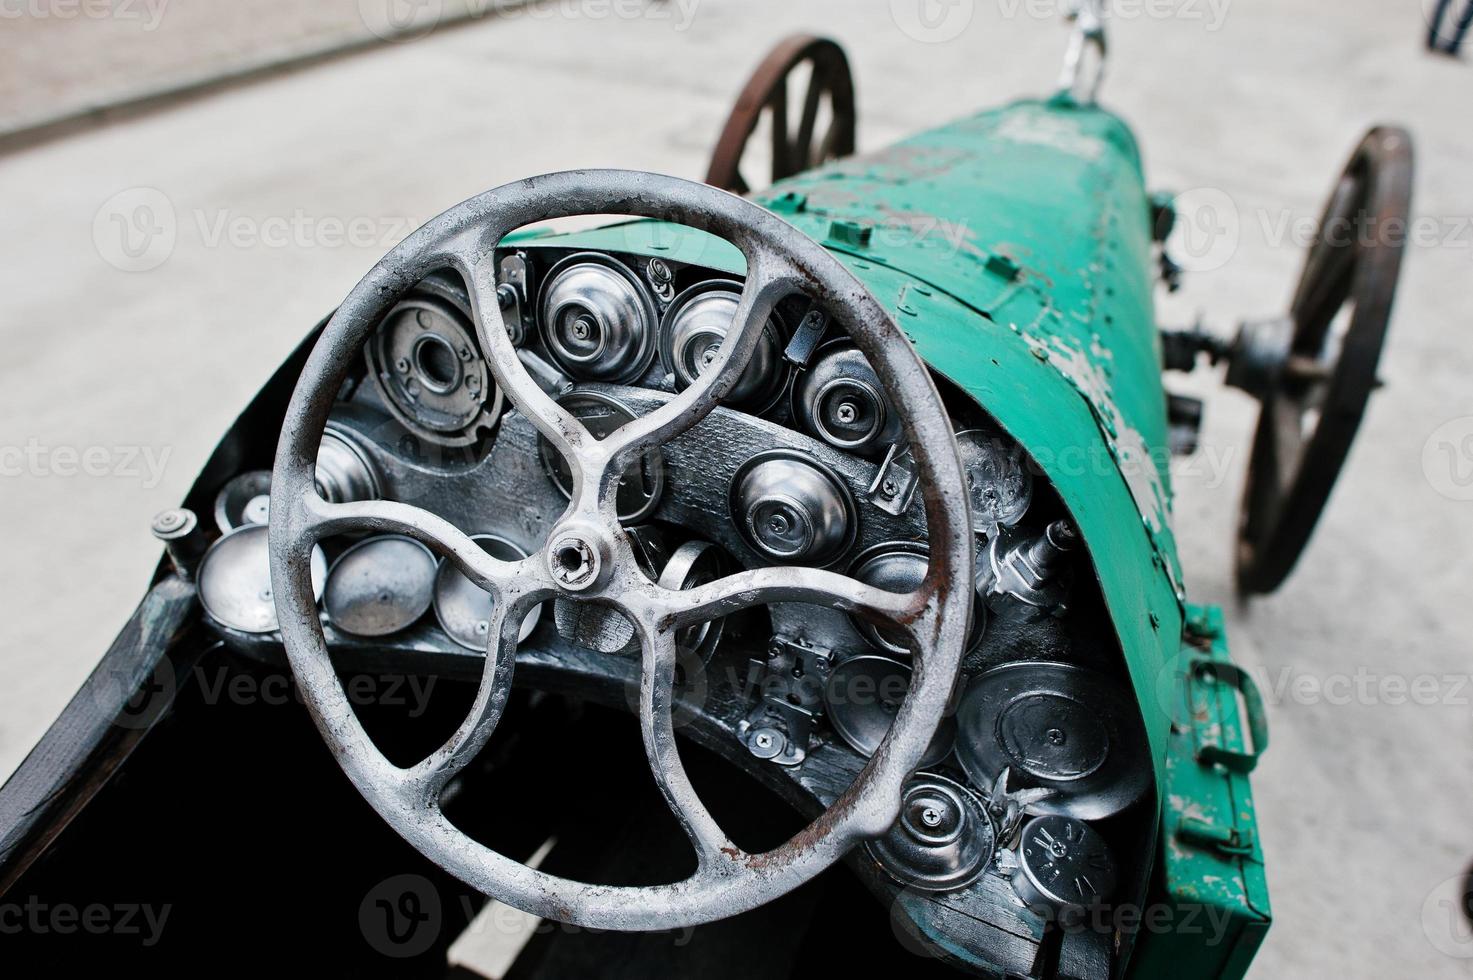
(1364, 795)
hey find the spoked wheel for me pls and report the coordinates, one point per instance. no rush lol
(1315, 370)
(793, 150)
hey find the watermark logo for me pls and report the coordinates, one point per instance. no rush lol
(1447, 918)
(933, 21)
(1208, 230)
(400, 917)
(1212, 14)
(147, 13)
(135, 230)
(145, 464)
(400, 20)
(38, 918)
(1447, 459)
(138, 229)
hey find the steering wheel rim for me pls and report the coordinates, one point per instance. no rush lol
(780, 260)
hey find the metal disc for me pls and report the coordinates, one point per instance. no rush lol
(640, 490)
(1056, 727)
(943, 839)
(464, 608)
(840, 400)
(693, 331)
(793, 509)
(767, 91)
(380, 586)
(998, 479)
(1064, 866)
(238, 502)
(598, 322)
(697, 563)
(235, 580)
(427, 364)
(862, 697)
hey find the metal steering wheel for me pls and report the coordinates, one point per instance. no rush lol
(588, 556)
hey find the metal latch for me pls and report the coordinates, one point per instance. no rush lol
(1205, 833)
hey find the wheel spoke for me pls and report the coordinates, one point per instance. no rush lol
(767, 284)
(782, 163)
(389, 517)
(713, 848)
(803, 146)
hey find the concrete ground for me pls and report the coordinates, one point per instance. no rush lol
(127, 354)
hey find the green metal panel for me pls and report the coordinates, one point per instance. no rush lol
(1210, 874)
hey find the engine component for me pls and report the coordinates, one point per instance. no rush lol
(345, 473)
(697, 563)
(245, 499)
(380, 586)
(696, 326)
(791, 681)
(639, 491)
(998, 479)
(900, 567)
(235, 580)
(426, 363)
(792, 509)
(1064, 868)
(183, 539)
(1032, 570)
(597, 320)
(1056, 727)
(862, 697)
(464, 609)
(840, 400)
(942, 841)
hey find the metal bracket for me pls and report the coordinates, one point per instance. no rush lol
(894, 485)
(791, 681)
(806, 338)
(515, 294)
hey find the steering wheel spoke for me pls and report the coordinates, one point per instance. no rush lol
(769, 281)
(480, 723)
(323, 519)
(714, 850)
(764, 586)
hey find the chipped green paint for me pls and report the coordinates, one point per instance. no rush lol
(1211, 865)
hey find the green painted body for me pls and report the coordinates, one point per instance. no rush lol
(1014, 248)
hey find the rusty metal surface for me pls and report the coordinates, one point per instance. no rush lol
(590, 557)
(1313, 406)
(767, 91)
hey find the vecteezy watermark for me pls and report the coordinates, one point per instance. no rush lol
(1208, 229)
(136, 230)
(148, 13)
(406, 20)
(1447, 459)
(40, 918)
(1447, 917)
(136, 702)
(145, 464)
(401, 917)
(933, 21)
(1211, 13)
